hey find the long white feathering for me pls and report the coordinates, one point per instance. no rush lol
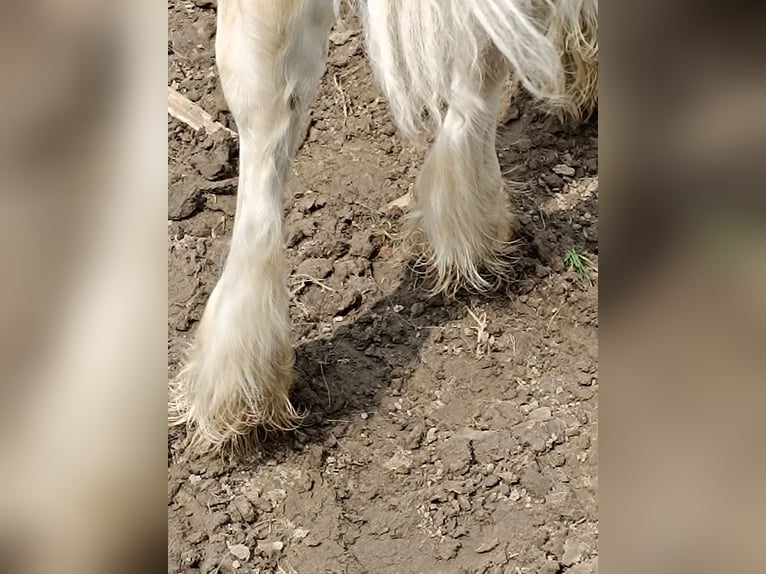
(440, 62)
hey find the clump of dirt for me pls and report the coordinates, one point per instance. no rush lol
(443, 435)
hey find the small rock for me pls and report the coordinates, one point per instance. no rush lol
(224, 203)
(546, 566)
(206, 3)
(183, 200)
(235, 564)
(331, 441)
(304, 483)
(490, 481)
(505, 413)
(564, 170)
(557, 459)
(276, 496)
(400, 463)
(245, 509)
(448, 549)
(455, 454)
(533, 435)
(195, 479)
(316, 268)
(400, 202)
(270, 548)
(583, 393)
(300, 533)
(215, 164)
(341, 55)
(205, 30)
(417, 309)
(310, 203)
(252, 493)
(535, 482)
(509, 477)
(339, 37)
(361, 244)
(573, 552)
(487, 546)
(414, 438)
(191, 558)
(552, 180)
(299, 230)
(589, 566)
(349, 300)
(511, 114)
(431, 435)
(540, 414)
(196, 537)
(240, 551)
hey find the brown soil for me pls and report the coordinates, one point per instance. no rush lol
(443, 435)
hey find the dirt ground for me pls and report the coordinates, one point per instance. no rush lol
(443, 436)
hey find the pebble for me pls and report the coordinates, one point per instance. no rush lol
(552, 180)
(512, 114)
(361, 244)
(583, 393)
(589, 566)
(536, 482)
(205, 30)
(573, 552)
(490, 481)
(448, 549)
(414, 438)
(183, 200)
(215, 164)
(417, 309)
(400, 463)
(270, 547)
(240, 551)
(487, 546)
(565, 170)
(245, 509)
(315, 267)
(338, 38)
(351, 299)
(276, 496)
(191, 558)
(300, 533)
(540, 414)
(311, 542)
(455, 454)
(311, 202)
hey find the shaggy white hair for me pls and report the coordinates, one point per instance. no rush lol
(440, 62)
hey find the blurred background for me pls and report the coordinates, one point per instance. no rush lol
(83, 289)
(82, 294)
(682, 284)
